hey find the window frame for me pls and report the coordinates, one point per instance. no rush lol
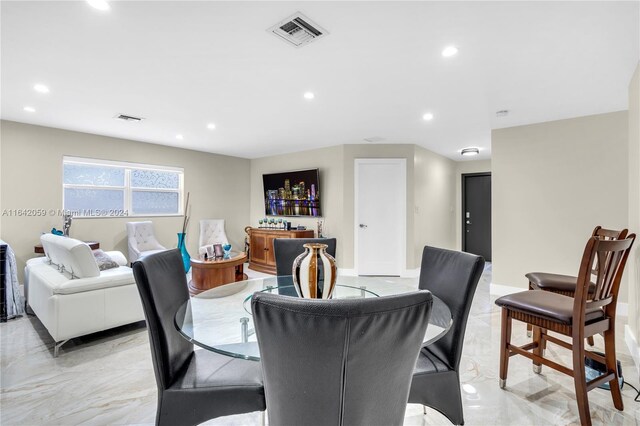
(127, 188)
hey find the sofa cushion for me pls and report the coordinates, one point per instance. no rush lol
(104, 260)
(115, 277)
(75, 256)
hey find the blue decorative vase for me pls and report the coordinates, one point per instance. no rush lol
(186, 259)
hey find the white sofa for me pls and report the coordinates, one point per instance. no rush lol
(72, 297)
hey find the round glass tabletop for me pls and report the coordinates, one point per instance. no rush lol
(220, 319)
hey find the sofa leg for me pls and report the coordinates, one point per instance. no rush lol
(57, 347)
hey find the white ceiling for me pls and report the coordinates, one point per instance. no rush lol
(184, 64)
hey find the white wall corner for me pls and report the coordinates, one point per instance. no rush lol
(634, 349)
(346, 272)
(410, 273)
(503, 290)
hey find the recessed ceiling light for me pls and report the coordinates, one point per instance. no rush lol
(427, 117)
(502, 113)
(41, 88)
(449, 51)
(470, 151)
(309, 95)
(179, 136)
(211, 126)
(99, 4)
(29, 109)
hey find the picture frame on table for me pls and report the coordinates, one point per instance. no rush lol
(218, 252)
(210, 252)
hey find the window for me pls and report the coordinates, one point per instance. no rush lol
(97, 188)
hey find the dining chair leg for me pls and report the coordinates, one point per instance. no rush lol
(580, 380)
(505, 341)
(537, 337)
(612, 365)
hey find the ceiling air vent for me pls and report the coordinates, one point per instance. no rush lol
(298, 30)
(129, 118)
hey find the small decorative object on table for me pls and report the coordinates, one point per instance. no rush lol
(182, 244)
(314, 272)
(227, 251)
(66, 223)
(54, 231)
(218, 253)
(320, 228)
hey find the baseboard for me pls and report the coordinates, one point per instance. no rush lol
(634, 349)
(502, 290)
(407, 273)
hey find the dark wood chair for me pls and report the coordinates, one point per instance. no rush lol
(584, 315)
(566, 284)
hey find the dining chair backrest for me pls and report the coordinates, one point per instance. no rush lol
(609, 235)
(339, 362)
(453, 277)
(162, 284)
(286, 250)
(611, 257)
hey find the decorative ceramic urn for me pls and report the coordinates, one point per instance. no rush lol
(314, 272)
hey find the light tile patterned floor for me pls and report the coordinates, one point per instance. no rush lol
(107, 378)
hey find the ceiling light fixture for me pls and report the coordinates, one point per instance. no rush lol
(502, 113)
(99, 4)
(470, 151)
(29, 109)
(211, 126)
(41, 88)
(449, 51)
(179, 137)
(309, 95)
(427, 117)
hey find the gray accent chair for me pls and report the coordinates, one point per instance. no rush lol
(339, 362)
(453, 277)
(193, 386)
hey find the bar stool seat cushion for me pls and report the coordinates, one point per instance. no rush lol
(547, 305)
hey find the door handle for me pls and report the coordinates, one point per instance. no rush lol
(362, 225)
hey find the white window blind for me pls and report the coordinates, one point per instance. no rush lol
(100, 188)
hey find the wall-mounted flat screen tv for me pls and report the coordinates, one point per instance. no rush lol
(294, 193)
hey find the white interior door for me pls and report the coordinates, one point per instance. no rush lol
(380, 216)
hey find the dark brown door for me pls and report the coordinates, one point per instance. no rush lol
(476, 214)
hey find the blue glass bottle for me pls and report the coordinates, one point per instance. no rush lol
(186, 259)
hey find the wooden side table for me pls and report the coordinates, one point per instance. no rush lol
(210, 273)
(95, 245)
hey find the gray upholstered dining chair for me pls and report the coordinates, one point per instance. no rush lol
(453, 277)
(286, 250)
(339, 362)
(193, 386)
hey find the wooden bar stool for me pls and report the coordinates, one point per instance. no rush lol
(566, 284)
(584, 315)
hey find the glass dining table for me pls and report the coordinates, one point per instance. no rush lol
(220, 319)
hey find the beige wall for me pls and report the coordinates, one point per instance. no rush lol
(329, 161)
(633, 266)
(552, 184)
(31, 161)
(351, 153)
(430, 194)
(434, 210)
(463, 167)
